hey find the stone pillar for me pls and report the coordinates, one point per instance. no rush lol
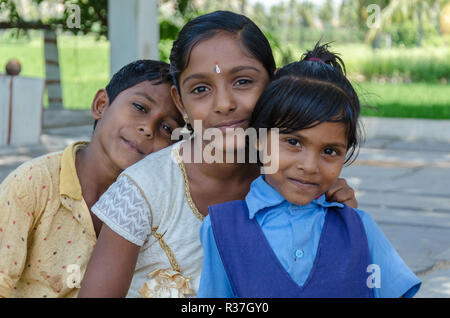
(20, 110)
(133, 31)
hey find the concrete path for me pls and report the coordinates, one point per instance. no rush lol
(401, 177)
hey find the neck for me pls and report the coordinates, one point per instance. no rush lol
(95, 171)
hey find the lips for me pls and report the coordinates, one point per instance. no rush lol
(133, 146)
(303, 184)
(231, 124)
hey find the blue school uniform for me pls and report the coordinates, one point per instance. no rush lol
(288, 238)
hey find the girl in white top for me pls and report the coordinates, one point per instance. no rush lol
(150, 241)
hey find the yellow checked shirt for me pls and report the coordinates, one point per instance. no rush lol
(46, 231)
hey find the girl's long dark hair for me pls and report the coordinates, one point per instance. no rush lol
(206, 26)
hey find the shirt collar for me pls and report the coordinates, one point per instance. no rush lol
(69, 184)
(262, 195)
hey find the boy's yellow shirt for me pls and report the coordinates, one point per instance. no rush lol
(46, 230)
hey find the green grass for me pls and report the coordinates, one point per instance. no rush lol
(84, 66)
(413, 100)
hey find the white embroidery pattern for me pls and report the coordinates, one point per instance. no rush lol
(124, 209)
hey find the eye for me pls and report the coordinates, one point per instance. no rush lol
(243, 82)
(293, 142)
(167, 129)
(139, 107)
(330, 152)
(200, 89)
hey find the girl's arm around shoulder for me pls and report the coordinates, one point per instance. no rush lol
(391, 276)
(111, 267)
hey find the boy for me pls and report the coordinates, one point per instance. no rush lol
(47, 232)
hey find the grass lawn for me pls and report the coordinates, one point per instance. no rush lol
(413, 100)
(84, 64)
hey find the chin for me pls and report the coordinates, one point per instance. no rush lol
(299, 199)
(129, 162)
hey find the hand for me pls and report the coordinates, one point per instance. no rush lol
(341, 192)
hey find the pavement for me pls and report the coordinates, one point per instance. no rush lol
(401, 178)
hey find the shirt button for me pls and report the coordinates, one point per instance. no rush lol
(299, 253)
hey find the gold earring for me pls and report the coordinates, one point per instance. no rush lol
(185, 129)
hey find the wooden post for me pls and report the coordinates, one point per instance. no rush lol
(52, 73)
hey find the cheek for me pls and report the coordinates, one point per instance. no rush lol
(330, 173)
(160, 143)
(248, 100)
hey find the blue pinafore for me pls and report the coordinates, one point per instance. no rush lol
(253, 269)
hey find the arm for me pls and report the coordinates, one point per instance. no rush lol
(391, 276)
(111, 266)
(341, 192)
(126, 226)
(17, 212)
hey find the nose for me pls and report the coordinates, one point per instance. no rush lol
(147, 129)
(224, 101)
(308, 162)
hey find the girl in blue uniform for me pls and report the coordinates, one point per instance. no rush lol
(285, 239)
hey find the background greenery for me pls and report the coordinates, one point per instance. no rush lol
(402, 70)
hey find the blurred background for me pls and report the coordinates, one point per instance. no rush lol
(397, 52)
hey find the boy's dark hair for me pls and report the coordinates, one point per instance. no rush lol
(309, 92)
(206, 26)
(135, 73)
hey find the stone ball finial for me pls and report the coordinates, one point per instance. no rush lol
(13, 67)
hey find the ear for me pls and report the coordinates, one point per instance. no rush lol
(99, 104)
(177, 99)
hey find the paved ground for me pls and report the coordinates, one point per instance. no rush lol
(402, 178)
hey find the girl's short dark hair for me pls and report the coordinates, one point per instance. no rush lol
(309, 92)
(206, 26)
(135, 73)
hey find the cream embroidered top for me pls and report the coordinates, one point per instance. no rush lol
(150, 206)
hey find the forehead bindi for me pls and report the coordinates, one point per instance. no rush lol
(221, 54)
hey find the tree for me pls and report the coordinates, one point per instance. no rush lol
(91, 17)
(404, 19)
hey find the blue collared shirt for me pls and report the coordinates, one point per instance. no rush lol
(294, 232)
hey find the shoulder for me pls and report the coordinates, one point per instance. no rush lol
(125, 210)
(153, 162)
(33, 173)
(159, 176)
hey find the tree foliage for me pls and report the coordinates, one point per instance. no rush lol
(47, 14)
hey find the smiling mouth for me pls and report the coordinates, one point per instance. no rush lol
(132, 146)
(231, 124)
(303, 184)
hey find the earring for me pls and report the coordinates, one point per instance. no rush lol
(185, 129)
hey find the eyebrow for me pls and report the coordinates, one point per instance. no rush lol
(331, 144)
(151, 100)
(197, 75)
(233, 70)
(241, 68)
